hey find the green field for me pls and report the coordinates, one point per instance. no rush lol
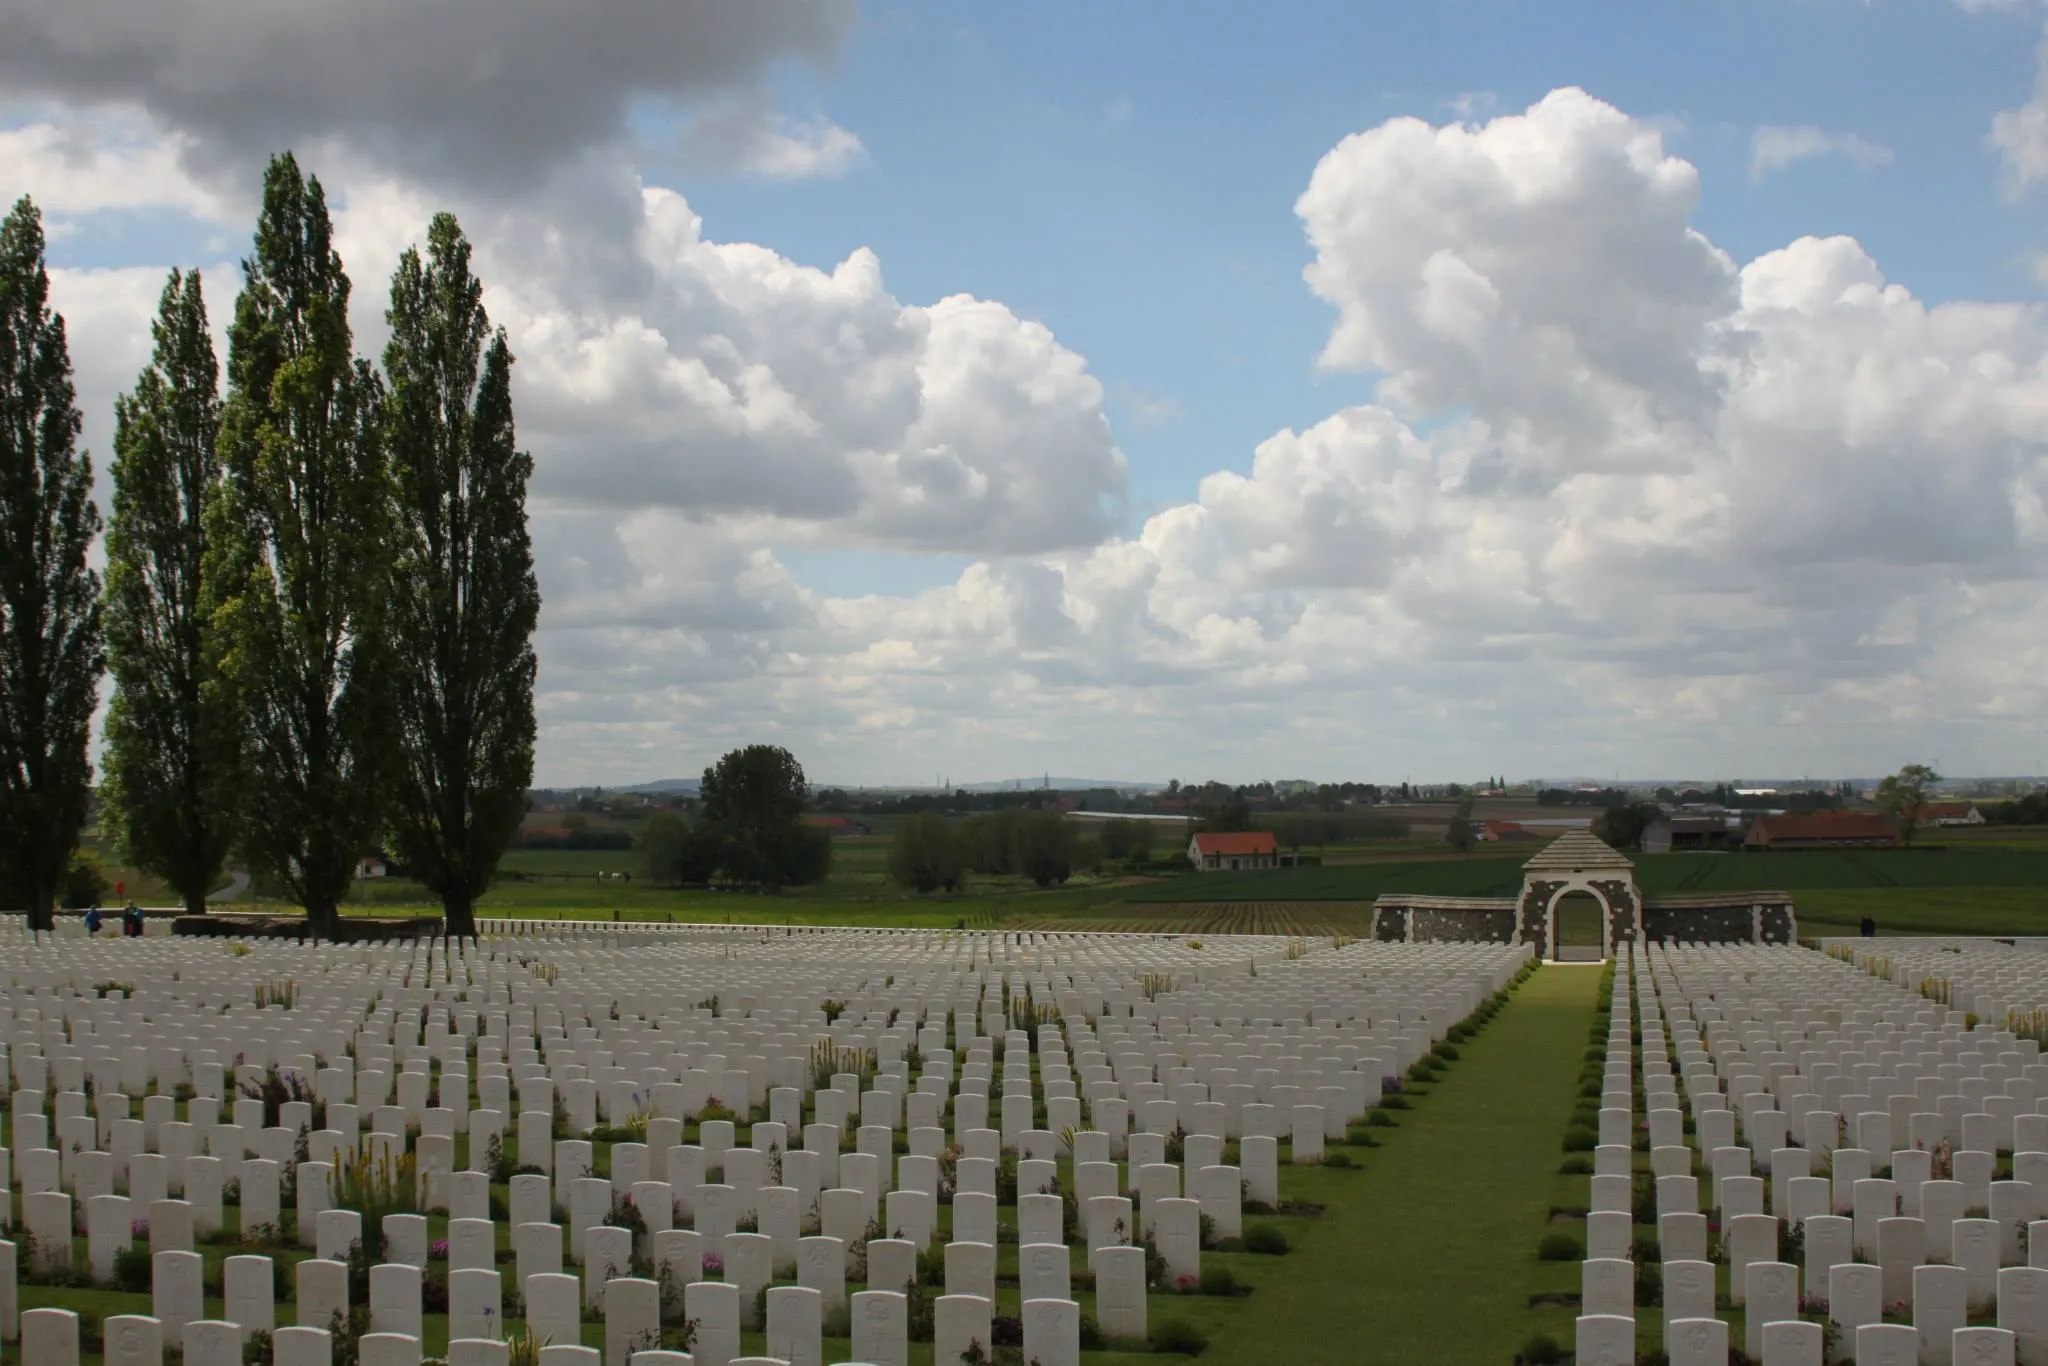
(1924, 910)
(1490, 875)
(1971, 885)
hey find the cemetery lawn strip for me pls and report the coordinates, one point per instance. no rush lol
(1428, 1256)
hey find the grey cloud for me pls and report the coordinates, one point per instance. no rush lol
(486, 92)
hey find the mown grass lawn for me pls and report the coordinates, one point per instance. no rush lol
(1429, 1257)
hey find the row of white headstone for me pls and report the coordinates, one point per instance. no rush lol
(395, 1042)
(1809, 1049)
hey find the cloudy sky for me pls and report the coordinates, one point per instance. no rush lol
(1177, 388)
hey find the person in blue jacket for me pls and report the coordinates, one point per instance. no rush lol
(92, 919)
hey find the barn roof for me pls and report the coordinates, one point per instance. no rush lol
(1238, 843)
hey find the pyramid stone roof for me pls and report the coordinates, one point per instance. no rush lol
(1579, 851)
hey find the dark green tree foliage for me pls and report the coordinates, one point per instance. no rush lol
(1120, 838)
(51, 653)
(1905, 795)
(1461, 834)
(464, 599)
(924, 856)
(755, 798)
(1040, 845)
(1043, 847)
(1224, 811)
(174, 733)
(806, 855)
(986, 841)
(1623, 826)
(303, 546)
(677, 853)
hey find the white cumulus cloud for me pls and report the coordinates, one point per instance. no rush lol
(1773, 147)
(1617, 495)
(2020, 134)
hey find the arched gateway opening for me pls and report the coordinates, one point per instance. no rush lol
(1578, 929)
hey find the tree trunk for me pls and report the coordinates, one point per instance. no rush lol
(195, 903)
(458, 915)
(42, 909)
(323, 921)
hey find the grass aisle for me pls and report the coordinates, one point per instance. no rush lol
(1430, 1258)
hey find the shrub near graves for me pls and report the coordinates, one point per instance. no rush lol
(1181, 1337)
(1265, 1240)
(132, 1270)
(1218, 1281)
(1560, 1247)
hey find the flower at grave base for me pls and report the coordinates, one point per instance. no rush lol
(1185, 1283)
(714, 1265)
(439, 1249)
(139, 1229)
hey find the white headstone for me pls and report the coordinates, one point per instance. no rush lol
(1052, 1328)
(133, 1340)
(716, 1308)
(795, 1321)
(49, 1337)
(1697, 1342)
(632, 1319)
(554, 1308)
(881, 1328)
(177, 1292)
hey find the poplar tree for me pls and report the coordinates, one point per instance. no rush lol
(464, 598)
(174, 736)
(51, 654)
(302, 545)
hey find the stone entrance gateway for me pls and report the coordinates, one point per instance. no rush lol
(1578, 867)
(1579, 899)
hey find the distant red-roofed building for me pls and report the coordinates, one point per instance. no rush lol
(1951, 813)
(1824, 830)
(1509, 830)
(1237, 851)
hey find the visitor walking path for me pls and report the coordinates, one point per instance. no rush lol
(1428, 1257)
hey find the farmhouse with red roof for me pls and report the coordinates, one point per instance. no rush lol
(1236, 851)
(1824, 830)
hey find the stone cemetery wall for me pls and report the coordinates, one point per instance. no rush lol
(1452, 927)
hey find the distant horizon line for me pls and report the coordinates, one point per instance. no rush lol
(1057, 783)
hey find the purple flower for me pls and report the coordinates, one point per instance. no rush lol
(714, 1265)
(139, 1229)
(439, 1249)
